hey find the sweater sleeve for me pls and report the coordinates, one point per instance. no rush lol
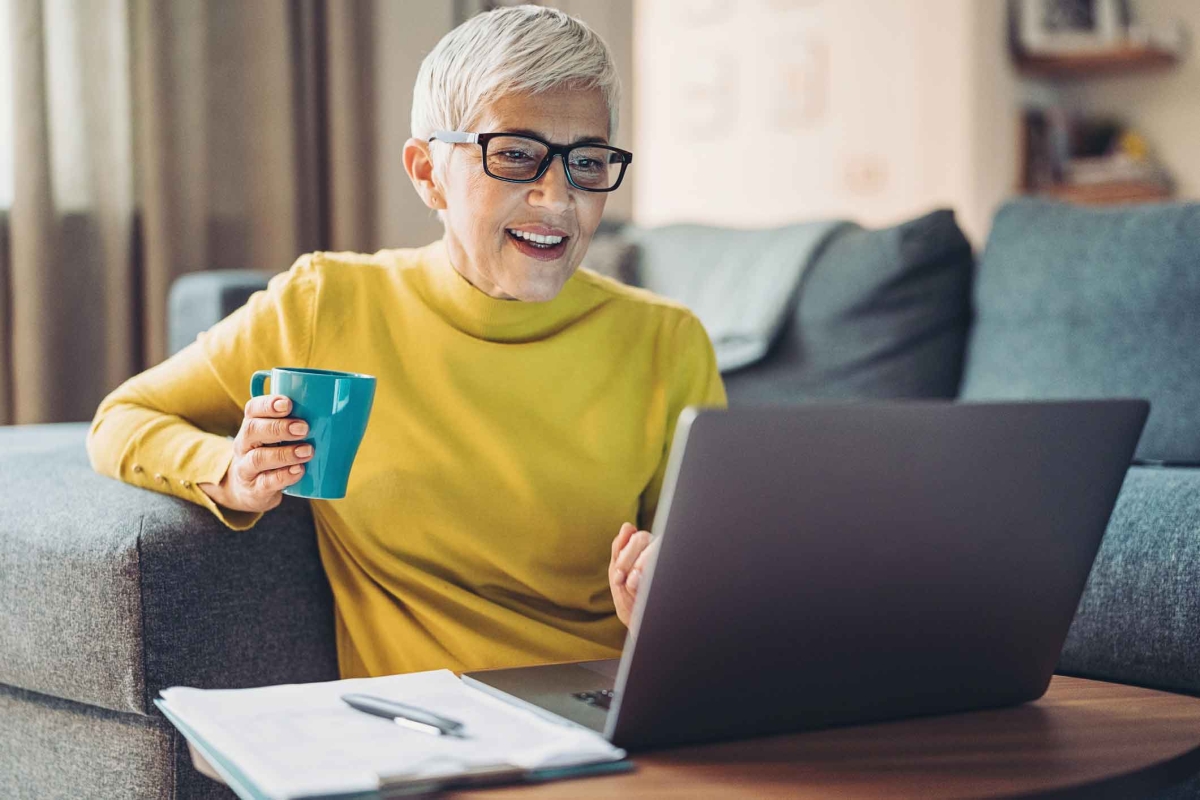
(694, 381)
(168, 429)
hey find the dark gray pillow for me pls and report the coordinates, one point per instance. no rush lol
(880, 314)
(1085, 302)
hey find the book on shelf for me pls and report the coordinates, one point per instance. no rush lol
(1088, 160)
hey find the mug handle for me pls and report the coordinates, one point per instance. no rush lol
(258, 381)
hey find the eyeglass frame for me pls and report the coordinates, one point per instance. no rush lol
(482, 139)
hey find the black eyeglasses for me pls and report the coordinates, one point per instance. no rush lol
(518, 158)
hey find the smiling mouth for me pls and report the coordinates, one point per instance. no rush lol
(544, 242)
(542, 248)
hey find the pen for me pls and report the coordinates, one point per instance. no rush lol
(404, 715)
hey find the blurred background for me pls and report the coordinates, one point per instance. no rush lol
(141, 140)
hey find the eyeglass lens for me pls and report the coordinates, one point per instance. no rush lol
(517, 158)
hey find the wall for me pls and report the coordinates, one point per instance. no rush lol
(613, 21)
(761, 113)
(994, 103)
(1165, 106)
(413, 29)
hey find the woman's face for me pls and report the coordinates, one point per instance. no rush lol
(482, 214)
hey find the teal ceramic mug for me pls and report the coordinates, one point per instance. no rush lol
(336, 406)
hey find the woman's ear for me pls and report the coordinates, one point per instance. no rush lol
(418, 163)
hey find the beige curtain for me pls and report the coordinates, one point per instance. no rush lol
(156, 137)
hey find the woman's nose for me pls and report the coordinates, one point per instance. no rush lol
(552, 189)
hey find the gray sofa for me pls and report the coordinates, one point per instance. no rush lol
(109, 593)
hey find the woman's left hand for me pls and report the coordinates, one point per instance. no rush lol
(631, 551)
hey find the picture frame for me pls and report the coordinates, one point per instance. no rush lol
(1069, 26)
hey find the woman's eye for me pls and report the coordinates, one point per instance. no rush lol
(513, 155)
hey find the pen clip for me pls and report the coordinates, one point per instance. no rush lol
(412, 724)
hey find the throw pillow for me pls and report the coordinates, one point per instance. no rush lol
(880, 314)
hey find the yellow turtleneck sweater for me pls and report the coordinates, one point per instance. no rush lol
(507, 443)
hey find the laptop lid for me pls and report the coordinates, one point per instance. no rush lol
(830, 564)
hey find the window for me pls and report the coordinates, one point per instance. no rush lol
(86, 50)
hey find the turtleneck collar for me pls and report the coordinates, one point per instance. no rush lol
(485, 317)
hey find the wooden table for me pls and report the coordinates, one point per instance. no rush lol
(1082, 739)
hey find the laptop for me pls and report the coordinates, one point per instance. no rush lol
(827, 565)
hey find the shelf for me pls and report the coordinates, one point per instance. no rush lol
(1107, 193)
(1119, 61)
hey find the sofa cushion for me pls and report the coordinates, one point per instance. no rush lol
(1084, 302)
(112, 592)
(1139, 619)
(55, 748)
(58, 748)
(880, 314)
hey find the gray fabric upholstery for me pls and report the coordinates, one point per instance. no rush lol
(198, 300)
(52, 748)
(1080, 302)
(1139, 619)
(881, 314)
(70, 605)
(112, 592)
(1189, 789)
(742, 284)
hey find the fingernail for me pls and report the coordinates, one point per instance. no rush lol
(619, 577)
(304, 451)
(635, 578)
(295, 469)
(281, 404)
(298, 428)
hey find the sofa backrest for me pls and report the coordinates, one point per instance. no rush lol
(1083, 302)
(199, 300)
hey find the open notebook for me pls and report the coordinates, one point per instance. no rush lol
(303, 741)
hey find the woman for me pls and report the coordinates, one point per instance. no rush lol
(523, 410)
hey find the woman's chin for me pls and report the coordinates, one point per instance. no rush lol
(536, 292)
(534, 288)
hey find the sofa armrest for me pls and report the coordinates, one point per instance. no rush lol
(111, 593)
(1139, 619)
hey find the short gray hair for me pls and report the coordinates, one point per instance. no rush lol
(515, 49)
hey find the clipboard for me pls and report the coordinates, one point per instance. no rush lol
(390, 786)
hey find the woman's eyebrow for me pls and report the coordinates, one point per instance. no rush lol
(539, 135)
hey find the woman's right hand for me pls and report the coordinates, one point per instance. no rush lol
(258, 474)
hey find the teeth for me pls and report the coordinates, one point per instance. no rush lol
(533, 237)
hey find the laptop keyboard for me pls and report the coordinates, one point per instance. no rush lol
(602, 698)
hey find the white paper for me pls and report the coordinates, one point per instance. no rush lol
(302, 739)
